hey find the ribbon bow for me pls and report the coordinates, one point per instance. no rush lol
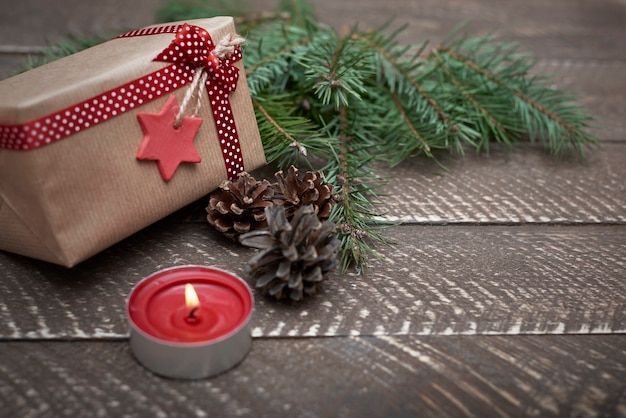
(192, 47)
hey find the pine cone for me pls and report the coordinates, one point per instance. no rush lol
(295, 255)
(237, 207)
(292, 193)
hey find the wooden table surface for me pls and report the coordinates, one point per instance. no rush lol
(507, 296)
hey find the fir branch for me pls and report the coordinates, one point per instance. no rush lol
(180, 10)
(332, 69)
(344, 139)
(302, 14)
(357, 206)
(511, 75)
(494, 128)
(250, 21)
(394, 61)
(402, 132)
(270, 58)
(246, 19)
(407, 121)
(286, 137)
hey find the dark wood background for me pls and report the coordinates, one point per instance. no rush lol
(506, 297)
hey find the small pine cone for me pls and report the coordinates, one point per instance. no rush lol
(295, 256)
(293, 193)
(237, 207)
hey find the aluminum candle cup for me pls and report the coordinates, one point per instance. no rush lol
(190, 322)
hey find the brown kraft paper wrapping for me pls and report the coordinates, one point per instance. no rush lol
(68, 200)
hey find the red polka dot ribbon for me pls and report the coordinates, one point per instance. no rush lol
(193, 46)
(190, 51)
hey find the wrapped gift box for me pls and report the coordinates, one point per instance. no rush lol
(76, 175)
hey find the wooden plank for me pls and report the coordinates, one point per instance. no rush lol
(510, 264)
(522, 186)
(442, 280)
(558, 28)
(545, 376)
(518, 186)
(564, 29)
(580, 30)
(567, 27)
(29, 23)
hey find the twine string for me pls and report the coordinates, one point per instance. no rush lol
(199, 78)
(227, 45)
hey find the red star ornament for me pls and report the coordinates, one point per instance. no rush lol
(165, 144)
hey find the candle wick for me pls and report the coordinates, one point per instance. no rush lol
(192, 312)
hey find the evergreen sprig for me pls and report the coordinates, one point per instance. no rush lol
(494, 80)
(287, 138)
(343, 101)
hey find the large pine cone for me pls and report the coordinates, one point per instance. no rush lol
(237, 207)
(293, 192)
(295, 255)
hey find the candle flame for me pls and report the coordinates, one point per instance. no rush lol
(191, 297)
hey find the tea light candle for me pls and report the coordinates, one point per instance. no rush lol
(190, 322)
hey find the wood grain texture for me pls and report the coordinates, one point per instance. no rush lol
(509, 186)
(559, 28)
(441, 280)
(499, 300)
(27, 23)
(339, 377)
(521, 186)
(563, 29)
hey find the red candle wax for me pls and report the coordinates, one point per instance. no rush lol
(157, 306)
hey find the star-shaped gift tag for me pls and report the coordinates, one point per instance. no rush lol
(168, 145)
